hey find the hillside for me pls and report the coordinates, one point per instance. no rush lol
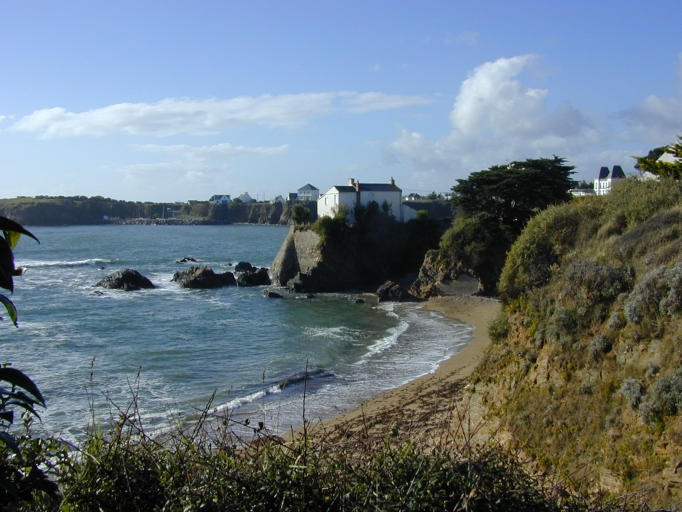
(80, 210)
(586, 370)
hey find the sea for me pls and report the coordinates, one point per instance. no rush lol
(174, 352)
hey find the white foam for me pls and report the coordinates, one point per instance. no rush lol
(64, 263)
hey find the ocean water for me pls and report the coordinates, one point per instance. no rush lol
(90, 350)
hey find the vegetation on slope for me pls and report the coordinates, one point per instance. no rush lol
(495, 205)
(587, 369)
(376, 247)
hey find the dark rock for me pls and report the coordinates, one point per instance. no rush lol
(272, 295)
(310, 296)
(187, 259)
(256, 277)
(244, 266)
(392, 291)
(203, 277)
(359, 301)
(444, 277)
(128, 280)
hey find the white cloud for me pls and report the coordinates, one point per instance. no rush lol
(186, 116)
(224, 150)
(496, 118)
(370, 101)
(658, 120)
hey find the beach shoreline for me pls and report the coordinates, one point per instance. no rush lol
(429, 407)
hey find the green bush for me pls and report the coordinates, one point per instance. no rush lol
(499, 328)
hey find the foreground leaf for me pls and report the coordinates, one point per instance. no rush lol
(13, 230)
(11, 309)
(6, 265)
(20, 379)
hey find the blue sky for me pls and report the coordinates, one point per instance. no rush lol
(170, 101)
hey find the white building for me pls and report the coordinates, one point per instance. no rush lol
(355, 193)
(220, 199)
(308, 193)
(606, 179)
(246, 198)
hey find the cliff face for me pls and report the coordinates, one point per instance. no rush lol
(586, 368)
(301, 264)
(443, 276)
(334, 256)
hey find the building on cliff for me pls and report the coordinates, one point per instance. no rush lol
(606, 179)
(348, 197)
(220, 199)
(308, 193)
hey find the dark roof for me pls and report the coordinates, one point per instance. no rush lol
(369, 187)
(603, 173)
(307, 187)
(617, 172)
(379, 187)
(344, 188)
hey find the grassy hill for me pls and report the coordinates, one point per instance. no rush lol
(586, 371)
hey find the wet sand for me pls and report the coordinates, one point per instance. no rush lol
(433, 409)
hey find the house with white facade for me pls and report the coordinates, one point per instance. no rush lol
(607, 180)
(308, 193)
(348, 197)
(220, 199)
(246, 198)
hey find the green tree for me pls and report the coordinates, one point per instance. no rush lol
(652, 164)
(300, 214)
(511, 194)
(495, 205)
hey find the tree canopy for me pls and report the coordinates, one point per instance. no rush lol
(496, 204)
(513, 193)
(666, 169)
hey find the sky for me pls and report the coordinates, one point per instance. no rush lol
(172, 101)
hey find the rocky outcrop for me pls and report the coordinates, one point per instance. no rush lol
(302, 265)
(442, 276)
(244, 266)
(128, 280)
(392, 291)
(254, 277)
(203, 277)
(272, 295)
(186, 259)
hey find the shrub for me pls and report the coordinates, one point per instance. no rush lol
(499, 327)
(595, 282)
(664, 397)
(616, 320)
(599, 346)
(658, 292)
(542, 244)
(633, 391)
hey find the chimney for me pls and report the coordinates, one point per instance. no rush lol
(391, 181)
(351, 182)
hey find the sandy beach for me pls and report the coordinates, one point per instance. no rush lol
(433, 408)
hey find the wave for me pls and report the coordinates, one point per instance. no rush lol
(67, 264)
(274, 389)
(299, 377)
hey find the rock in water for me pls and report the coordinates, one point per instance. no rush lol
(186, 259)
(244, 266)
(392, 291)
(272, 295)
(255, 277)
(203, 277)
(128, 280)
